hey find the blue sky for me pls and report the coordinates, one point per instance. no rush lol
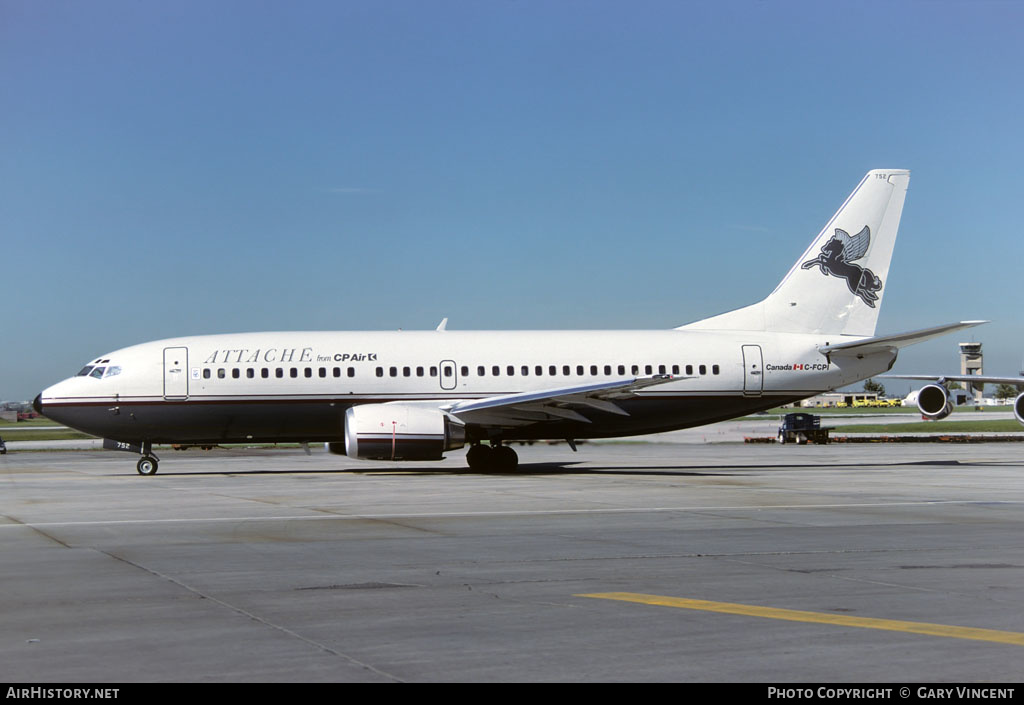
(201, 167)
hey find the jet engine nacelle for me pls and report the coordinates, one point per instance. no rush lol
(933, 401)
(1018, 407)
(399, 432)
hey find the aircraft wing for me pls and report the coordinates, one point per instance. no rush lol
(562, 403)
(984, 379)
(867, 346)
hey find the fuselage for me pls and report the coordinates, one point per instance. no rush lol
(297, 386)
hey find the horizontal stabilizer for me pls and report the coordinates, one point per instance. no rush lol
(867, 346)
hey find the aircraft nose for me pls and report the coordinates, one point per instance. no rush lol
(37, 403)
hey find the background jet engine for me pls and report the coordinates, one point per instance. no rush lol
(398, 432)
(933, 401)
(1018, 407)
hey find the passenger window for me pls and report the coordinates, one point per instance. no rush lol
(525, 370)
(279, 372)
(448, 370)
(433, 371)
(351, 371)
(481, 371)
(552, 370)
(419, 372)
(294, 372)
(714, 369)
(579, 370)
(235, 373)
(622, 369)
(566, 371)
(511, 371)
(264, 373)
(220, 373)
(250, 373)
(689, 369)
(206, 373)
(647, 369)
(607, 370)
(407, 372)
(393, 371)
(465, 371)
(593, 370)
(538, 370)
(703, 369)
(675, 369)
(337, 372)
(634, 370)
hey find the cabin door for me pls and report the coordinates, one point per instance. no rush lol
(448, 374)
(753, 372)
(175, 373)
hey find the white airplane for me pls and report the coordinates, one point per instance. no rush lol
(412, 395)
(934, 400)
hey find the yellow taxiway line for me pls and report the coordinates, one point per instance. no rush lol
(894, 625)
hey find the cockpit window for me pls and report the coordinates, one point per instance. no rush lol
(100, 372)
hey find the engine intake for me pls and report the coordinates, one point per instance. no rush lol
(1018, 407)
(933, 401)
(399, 432)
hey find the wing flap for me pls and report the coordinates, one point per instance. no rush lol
(562, 403)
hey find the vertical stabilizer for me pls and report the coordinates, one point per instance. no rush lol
(837, 285)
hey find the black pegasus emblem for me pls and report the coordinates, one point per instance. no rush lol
(836, 260)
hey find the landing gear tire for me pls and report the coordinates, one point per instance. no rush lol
(480, 457)
(492, 458)
(782, 437)
(147, 465)
(505, 459)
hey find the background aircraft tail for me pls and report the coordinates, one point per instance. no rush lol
(837, 284)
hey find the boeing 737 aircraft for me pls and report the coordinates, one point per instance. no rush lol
(411, 395)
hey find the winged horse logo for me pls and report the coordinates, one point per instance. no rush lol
(836, 259)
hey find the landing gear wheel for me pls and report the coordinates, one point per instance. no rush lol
(147, 465)
(480, 457)
(782, 437)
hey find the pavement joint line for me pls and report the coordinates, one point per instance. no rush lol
(509, 513)
(927, 628)
(253, 616)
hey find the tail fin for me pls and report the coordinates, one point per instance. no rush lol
(837, 284)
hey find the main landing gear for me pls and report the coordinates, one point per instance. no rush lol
(496, 458)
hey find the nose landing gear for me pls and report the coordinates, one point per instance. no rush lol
(147, 465)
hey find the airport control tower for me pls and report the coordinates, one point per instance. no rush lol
(970, 364)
